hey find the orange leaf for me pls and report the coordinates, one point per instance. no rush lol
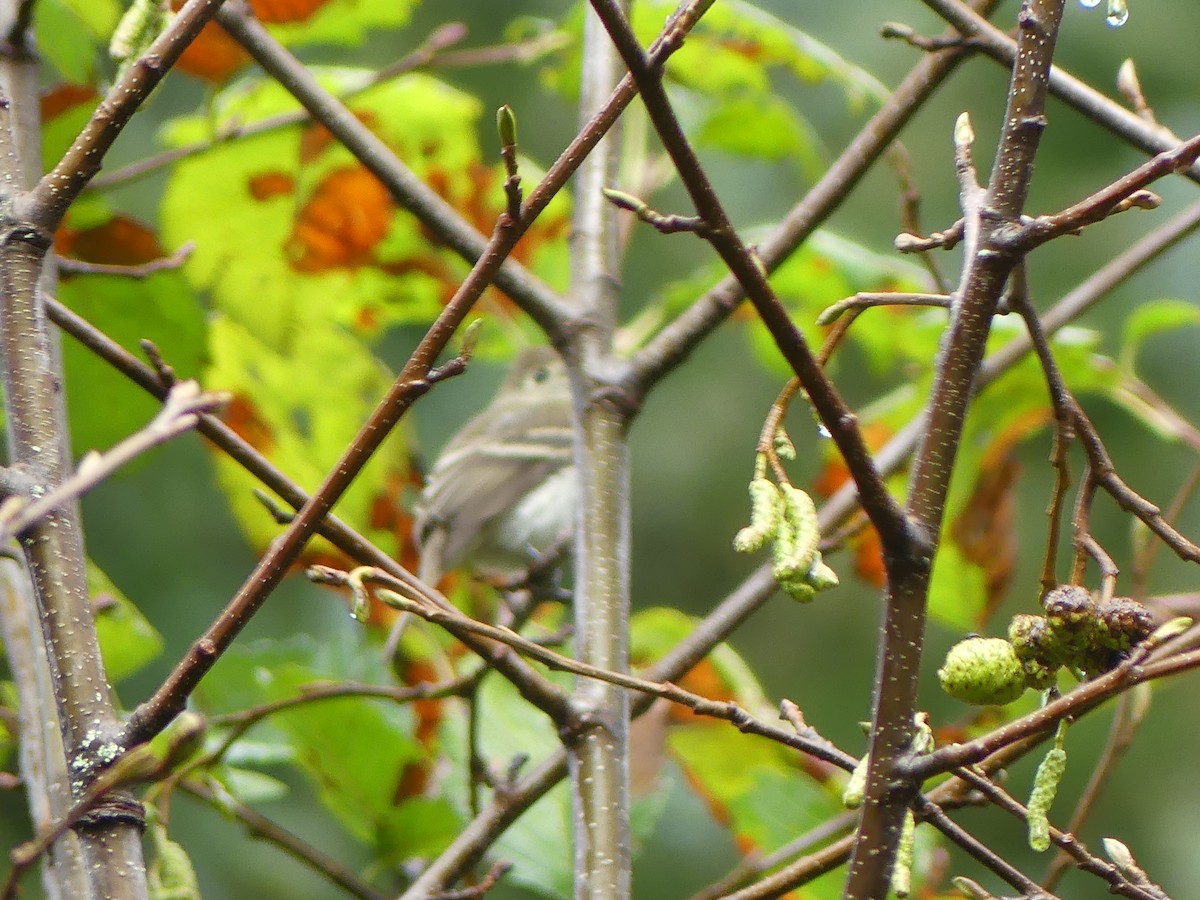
(278, 11)
(242, 416)
(341, 224)
(868, 557)
(121, 241)
(985, 531)
(213, 55)
(65, 97)
(271, 184)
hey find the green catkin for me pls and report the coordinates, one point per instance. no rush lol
(766, 514)
(784, 447)
(1045, 787)
(856, 788)
(902, 869)
(796, 546)
(136, 30)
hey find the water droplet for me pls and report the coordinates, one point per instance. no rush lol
(1118, 13)
(1089, 4)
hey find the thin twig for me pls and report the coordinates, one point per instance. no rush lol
(67, 266)
(1084, 859)
(1102, 110)
(180, 413)
(403, 597)
(1146, 551)
(260, 826)
(867, 300)
(48, 201)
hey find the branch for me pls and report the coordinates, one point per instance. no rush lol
(42, 762)
(986, 268)
(1067, 843)
(145, 270)
(1103, 203)
(419, 604)
(598, 759)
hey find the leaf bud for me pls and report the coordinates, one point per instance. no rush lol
(506, 126)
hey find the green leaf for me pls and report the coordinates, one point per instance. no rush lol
(73, 34)
(60, 131)
(300, 406)
(957, 591)
(754, 785)
(329, 244)
(354, 750)
(345, 22)
(764, 41)
(762, 128)
(539, 843)
(829, 268)
(249, 786)
(127, 640)
(1151, 319)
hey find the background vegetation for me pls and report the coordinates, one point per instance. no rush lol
(305, 313)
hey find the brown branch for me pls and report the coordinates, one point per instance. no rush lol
(757, 865)
(1104, 202)
(420, 603)
(934, 815)
(1106, 476)
(868, 300)
(987, 215)
(145, 270)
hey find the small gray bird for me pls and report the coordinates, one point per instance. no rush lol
(504, 488)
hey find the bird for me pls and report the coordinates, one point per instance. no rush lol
(504, 488)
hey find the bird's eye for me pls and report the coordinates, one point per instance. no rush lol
(540, 375)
